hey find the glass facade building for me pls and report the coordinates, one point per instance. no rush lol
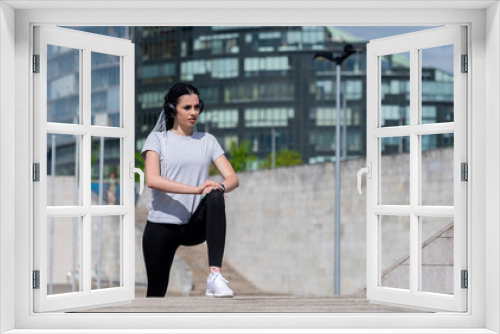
(253, 80)
(256, 80)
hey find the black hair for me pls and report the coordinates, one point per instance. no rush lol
(171, 99)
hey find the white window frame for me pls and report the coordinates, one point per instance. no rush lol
(483, 143)
(85, 44)
(413, 212)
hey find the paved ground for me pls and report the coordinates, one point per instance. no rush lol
(253, 303)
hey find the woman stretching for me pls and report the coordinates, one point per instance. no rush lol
(186, 207)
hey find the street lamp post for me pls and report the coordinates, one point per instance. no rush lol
(344, 121)
(273, 148)
(348, 50)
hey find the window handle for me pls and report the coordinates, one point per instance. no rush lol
(368, 171)
(134, 170)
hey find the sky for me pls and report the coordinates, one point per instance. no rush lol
(441, 58)
(370, 33)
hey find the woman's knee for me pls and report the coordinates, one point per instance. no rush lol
(215, 198)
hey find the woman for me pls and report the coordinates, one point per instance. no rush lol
(186, 208)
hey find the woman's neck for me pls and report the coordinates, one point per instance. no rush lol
(182, 131)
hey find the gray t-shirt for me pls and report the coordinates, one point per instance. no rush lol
(188, 161)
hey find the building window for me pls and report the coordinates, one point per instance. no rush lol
(353, 144)
(266, 117)
(437, 91)
(313, 35)
(394, 115)
(323, 90)
(193, 67)
(220, 119)
(327, 116)
(270, 35)
(225, 68)
(161, 49)
(157, 70)
(354, 89)
(255, 66)
(148, 32)
(322, 140)
(209, 94)
(218, 44)
(265, 91)
(219, 68)
(152, 99)
(428, 114)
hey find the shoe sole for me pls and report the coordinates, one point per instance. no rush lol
(208, 294)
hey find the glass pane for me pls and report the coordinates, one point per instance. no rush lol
(63, 254)
(395, 251)
(105, 89)
(106, 251)
(437, 254)
(395, 90)
(63, 172)
(395, 171)
(437, 84)
(105, 159)
(63, 84)
(437, 169)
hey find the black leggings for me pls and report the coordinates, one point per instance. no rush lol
(160, 241)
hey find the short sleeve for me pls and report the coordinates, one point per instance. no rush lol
(152, 144)
(217, 150)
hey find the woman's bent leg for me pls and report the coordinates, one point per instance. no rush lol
(159, 243)
(216, 227)
(209, 223)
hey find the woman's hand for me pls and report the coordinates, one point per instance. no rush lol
(207, 186)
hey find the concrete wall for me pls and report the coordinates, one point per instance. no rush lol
(281, 222)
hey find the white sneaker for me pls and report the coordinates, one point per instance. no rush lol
(217, 286)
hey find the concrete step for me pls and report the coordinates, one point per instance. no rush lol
(255, 303)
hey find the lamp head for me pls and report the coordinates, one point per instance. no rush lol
(349, 49)
(324, 55)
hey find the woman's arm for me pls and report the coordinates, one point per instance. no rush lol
(156, 181)
(226, 170)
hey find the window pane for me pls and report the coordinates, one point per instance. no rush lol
(63, 172)
(105, 89)
(437, 254)
(437, 169)
(106, 175)
(106, 251)
(395, 251)
(395, 90)
(395, 171)
(267, 117)
(63, 85)
(63, 254)
(219, 119)
(437, 85)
